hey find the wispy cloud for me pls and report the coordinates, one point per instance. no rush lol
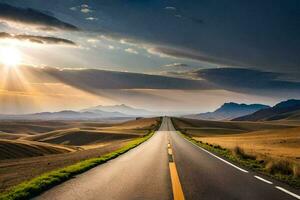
(130, 50)
(92, 18)
(170, 8)
(165, 51)
(37, 39)
(177, 65)
(85, 10)
(33, 17)
(110, 47)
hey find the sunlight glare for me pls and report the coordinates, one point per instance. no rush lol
(10, 56)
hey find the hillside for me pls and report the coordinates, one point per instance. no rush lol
(21, 149)
(229, 111)
(289, 110)
(78, 137)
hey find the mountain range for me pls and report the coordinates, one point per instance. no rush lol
(289, 109)
(93, 113)
(122, 108)
(229, 111)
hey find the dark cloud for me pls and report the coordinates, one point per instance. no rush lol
(232, 79)
(33, 17)
(185, 53)
(247, 80)
(93, 79)
(234, 33)
(37, 39)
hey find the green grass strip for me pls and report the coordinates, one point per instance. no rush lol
(36, 186)
(254, 165)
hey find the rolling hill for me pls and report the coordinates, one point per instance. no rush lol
(22, 149)
(229, 111)
(289, 110)
(79, 137)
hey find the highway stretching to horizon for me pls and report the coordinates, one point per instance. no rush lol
(167, 166)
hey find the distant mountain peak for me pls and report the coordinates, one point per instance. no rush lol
(229, 111)
(121, 108)
(282, 110)
(288, 103)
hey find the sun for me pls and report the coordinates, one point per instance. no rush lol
(10, 56)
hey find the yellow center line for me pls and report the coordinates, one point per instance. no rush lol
(176, 185)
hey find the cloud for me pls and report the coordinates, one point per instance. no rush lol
(33, 17)
(248, 80)
(110, 47)
(177, 65)
(130, 50)
(85, 10)
(84, 6)
(93, 80)
(92, 18)
(243, 81)
(165, 51)
(170, 8)
(37, 39)
(244, 35)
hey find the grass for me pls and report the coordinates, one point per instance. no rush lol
(282, 170)
(36, 186)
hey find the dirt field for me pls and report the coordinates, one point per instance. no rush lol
(14, 171)
(272, 139)
(28, 149)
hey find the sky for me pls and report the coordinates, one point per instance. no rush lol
(165, 56)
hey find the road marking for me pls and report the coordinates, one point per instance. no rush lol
(176, 185)
(177, 189)
(288, 192)
(225, 161)
(264, 180)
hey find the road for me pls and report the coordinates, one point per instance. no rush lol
(169, 167)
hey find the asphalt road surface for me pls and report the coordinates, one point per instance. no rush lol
(169, 167)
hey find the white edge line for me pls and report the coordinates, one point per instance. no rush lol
(225, 161)
(288, 192)
(264, 180)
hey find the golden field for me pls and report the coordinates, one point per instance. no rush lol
(278, 139)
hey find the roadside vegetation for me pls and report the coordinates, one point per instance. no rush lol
(280, 169)
(36, 186)
(283, 170)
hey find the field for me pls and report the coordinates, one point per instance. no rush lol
(279, 140)
(31, 148)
